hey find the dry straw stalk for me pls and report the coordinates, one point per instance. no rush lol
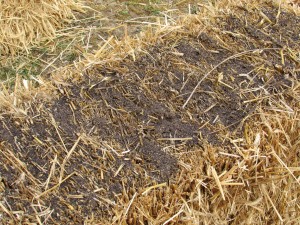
(26, 22)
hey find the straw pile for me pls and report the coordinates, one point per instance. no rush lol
(194, 123)
(26, 22)
(258, 186)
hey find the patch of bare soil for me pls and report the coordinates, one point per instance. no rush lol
(120, 128)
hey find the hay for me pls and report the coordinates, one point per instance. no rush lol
(27, 22)
(113, 143)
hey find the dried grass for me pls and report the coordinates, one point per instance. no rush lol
(26, 22)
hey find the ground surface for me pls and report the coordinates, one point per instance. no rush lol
(122, 127)
(89, 31)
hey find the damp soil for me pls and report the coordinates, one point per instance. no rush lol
(130, 122)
